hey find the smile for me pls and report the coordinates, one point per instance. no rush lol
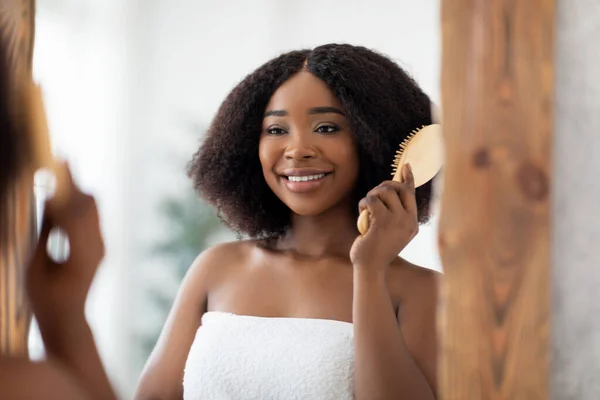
(305, 178)
(305, 183)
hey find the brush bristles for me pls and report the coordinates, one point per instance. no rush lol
(400, 152)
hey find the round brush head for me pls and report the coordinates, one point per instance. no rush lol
(424, 151)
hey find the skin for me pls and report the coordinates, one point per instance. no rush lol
(321, 268)
(57, 295)
(58, 292)
(52, 381)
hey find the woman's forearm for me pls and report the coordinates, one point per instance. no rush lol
(75, 348)
(21, 378)
(384, 369)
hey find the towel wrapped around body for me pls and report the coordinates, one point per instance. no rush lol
(237, 357)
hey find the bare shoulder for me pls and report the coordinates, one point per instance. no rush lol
(222, 252)
(219, 260)
(406, 269)
(163, 373)
(411, 280)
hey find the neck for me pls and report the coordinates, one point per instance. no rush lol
(330, 234)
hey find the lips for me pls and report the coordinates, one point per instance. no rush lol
(304, 180)
(304, 172)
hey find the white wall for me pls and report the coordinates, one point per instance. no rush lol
(575, 322)
(81, 62)
(133, 76)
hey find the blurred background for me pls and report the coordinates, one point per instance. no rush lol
(130, 87)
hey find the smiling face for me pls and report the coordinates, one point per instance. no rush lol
(307, 150)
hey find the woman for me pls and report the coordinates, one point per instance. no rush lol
(306, 308)
(57, 293)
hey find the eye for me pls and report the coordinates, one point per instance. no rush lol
(275, 131)
(327, 129)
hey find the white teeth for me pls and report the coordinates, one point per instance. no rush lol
(305, 178)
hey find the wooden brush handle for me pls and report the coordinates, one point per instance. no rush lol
(363, 222)
(363, 219)
(40, 141)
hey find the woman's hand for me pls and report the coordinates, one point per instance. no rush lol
(58, 291)
(393, 223)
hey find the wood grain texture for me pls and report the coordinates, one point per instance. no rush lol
(494, 228)
(17, 29)
(18, 213)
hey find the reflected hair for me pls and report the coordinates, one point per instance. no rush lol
(12, 143)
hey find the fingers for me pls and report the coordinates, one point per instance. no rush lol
(407, 196)
(40, 255)
(388, 194)
(73, 204)
(373, 204)
(76, 213)
(408, 177)
(397, 198)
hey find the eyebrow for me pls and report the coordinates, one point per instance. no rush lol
(314, 110)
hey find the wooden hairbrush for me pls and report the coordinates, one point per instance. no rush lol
(39, 140)
(41, 157)
(423, 149)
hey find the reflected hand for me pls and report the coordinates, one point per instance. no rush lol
(58, 291)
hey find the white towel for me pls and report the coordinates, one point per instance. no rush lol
(236, 357)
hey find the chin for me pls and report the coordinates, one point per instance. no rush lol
(307, 210)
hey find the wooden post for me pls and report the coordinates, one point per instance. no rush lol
(576, 267)
(17, 32)
(495, 212)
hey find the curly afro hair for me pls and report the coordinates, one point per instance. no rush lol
(383, 104)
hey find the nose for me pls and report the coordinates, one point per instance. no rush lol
(300, 147)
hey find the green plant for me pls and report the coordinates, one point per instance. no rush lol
(192, 224)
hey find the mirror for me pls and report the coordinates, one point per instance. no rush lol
(131, 87)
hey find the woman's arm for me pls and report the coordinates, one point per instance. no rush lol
(74, 347)
(58, 291)
(395, 356)
(23, 379)
(162, 377)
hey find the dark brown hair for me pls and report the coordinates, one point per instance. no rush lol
(383, 104)
(11, 143)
